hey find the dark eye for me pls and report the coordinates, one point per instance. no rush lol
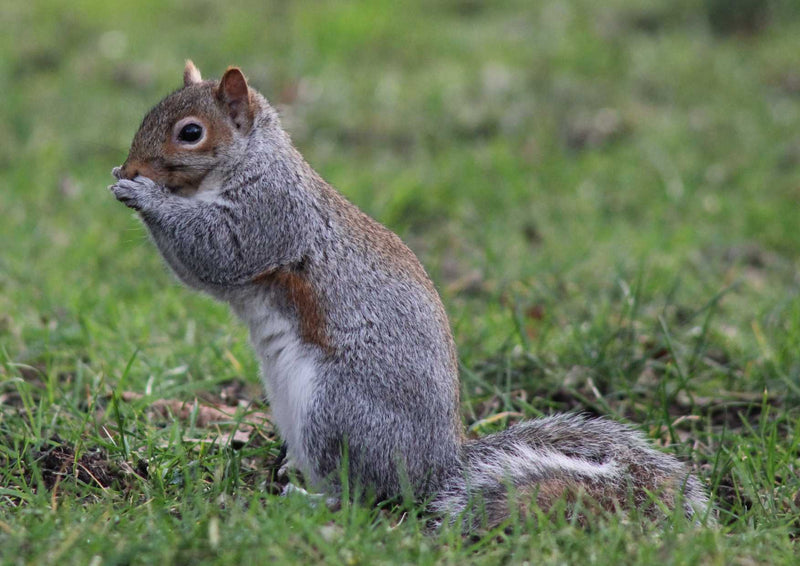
(190, 133)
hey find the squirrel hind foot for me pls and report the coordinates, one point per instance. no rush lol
(314, 499)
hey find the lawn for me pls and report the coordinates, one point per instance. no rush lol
(605, 194)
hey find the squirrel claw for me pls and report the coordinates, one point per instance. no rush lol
(117, 173)
(286, 468)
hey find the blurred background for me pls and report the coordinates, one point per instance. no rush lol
(560, 166)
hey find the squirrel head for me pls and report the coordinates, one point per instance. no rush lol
(193, 131)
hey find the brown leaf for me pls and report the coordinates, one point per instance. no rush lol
(207, 416)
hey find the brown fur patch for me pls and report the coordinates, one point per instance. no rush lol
(580, 500)
(549, 491)
(591, 499)
(303, 298)
(134, 168)
(174, 178)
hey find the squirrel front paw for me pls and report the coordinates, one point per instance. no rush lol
(138, 193)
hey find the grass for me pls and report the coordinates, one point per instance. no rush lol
(606, 196)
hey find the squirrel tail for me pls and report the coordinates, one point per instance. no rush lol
(587, 463)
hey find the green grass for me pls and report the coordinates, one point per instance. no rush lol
(606, 195)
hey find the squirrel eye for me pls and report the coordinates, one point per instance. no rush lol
(191, 133)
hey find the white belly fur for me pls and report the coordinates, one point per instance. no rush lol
(288, 368)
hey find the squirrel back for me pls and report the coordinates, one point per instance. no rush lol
(356, 351)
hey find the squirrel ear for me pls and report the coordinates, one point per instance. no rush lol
(235, 95)
(191, 74)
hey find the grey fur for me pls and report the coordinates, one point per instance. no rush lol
(384, 384)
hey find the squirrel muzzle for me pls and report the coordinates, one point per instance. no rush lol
(131, 169)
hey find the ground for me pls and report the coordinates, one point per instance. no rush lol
(605, 194)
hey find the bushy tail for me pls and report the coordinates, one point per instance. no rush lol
(605, 464)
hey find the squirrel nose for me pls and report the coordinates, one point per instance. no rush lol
(127, 171)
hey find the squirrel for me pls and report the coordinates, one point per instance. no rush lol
(356, 351)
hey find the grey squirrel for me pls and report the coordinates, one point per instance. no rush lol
(355, 346)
